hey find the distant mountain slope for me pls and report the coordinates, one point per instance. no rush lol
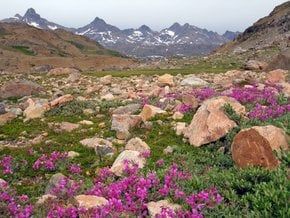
(177, 40)
(30, 45)
(231, 35)
(270, 31)
(34, 19)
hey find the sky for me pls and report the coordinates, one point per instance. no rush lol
(216, 15)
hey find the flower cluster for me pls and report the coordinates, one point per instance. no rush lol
(74, 169)
(59, 211)
(66, 188)
(266, 112)
(204, 93)
(49, 162)
(13, 205)
(265, 101)
(184, 108)
(130, 195)
(6, 164)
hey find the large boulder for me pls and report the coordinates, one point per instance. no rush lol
(155, 208)
(132, 157)
(102, 147)
(122, 123)
(166, 80)
(90, 201)
(19, 88)
(210, 123)
(62, 71)
(150, 111)
(255, 146)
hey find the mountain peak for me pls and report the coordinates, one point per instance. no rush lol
(18, 16)
(145, 28)
(175, 25)
(30, 11)
(31, 14)
(98, 20)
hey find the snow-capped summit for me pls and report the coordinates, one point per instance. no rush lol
(177, 39)
(34, 19)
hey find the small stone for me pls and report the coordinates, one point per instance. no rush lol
(277, 76)
(66, 127)
(5, 118)
(130, 156)
(123, 123)
(136, 144)
(106, 80)
(168, 150)
(177, 116)
(54, 180)
(150, 111)
(44, 198)
(108, 97)
(165, 80)
(255, 65)
(190, 100)
(72, 154)
(102, 147)
(37, 140)
(61, 100)
(128, 109)
(2, 109)
(60, 71)
(74, 77)
(86, 122)
(88, 112)
(193, 81)
(180, 127)
(155, 208)
(16, 111)
(102, 125)
(90, 201)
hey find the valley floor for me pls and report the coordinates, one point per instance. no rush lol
(64, 139)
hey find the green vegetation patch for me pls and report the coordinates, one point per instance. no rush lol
(24, 49)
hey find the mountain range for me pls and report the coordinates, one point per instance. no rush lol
(177, 40)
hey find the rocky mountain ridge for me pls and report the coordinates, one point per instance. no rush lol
(177, 40)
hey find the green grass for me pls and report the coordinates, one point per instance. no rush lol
(251, 192)
(24, 49)
(200, 67)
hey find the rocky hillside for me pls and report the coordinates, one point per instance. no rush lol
(23, 46)
(177, 40)
(272, 31)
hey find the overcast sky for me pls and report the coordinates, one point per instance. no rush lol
(216, 15)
